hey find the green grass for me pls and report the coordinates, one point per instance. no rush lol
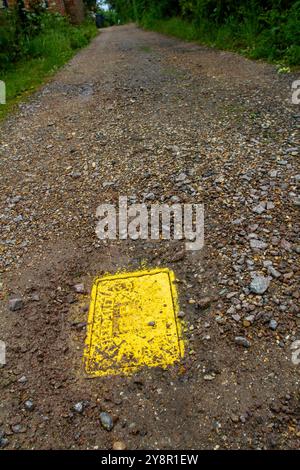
(173, 27)
(242, 38)
(45, 54)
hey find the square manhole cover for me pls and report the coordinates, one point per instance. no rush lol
(133, 323)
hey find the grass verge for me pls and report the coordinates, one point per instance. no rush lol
(45, 54)
(241, 38)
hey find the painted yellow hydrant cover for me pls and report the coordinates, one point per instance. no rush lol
(133, 323)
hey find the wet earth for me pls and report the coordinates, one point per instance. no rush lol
(155, 119)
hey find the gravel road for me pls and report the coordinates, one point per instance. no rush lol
(157, 119)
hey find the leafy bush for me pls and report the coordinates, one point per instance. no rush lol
(268, 29)
(42, 34)
(8, 50)
(33, 50)
(110, 17)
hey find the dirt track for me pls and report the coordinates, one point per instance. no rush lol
(133, 114)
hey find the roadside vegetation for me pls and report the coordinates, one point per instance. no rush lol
(33, 45)
(110, 17)
(259, 29)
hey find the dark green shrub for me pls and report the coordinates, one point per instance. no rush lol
(42, 34)
(268, 29)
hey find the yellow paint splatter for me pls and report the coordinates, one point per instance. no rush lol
(133, 323)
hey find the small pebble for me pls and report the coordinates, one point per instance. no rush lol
(259, 284)
(119, 445)
(209, 377)
(16, 303)
(29, 405)
(236, 317)
(258, 244)
(3, 442)
(79, 288)
(274, 272)
(18, 429)
(22, 380)
(106, 421)
(78, 407)
(241, 341)
(273, 324)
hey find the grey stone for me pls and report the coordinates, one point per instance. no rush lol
(220, 320)
(78, 407)
(29, 405)
(296, 201)
(285, 245)
(190, 190)
(3, 442)
(258, 244)
(238, 221)
(295, 346)
(259, 209)
(250, 318)
(231, 310)
(236, 317)
(16, 199)
(132, 199)
(259, 284)
(35, 297)
(18, 428)
(16, 303)
(181, 177)
(293, 150)
(231, 294)
(75, 174)
(273, 324)
(267, 263)
(209, 377)
(22, 380)
(106, 421)
(241, 341)
(79, 288)
(108, 184)
(149, 197)
(273, 272)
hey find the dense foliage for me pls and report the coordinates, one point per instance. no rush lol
(110, 17)
(267, 29)
(34, 43)
(37, 33)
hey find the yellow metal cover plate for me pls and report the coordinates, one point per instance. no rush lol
(133, 323)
